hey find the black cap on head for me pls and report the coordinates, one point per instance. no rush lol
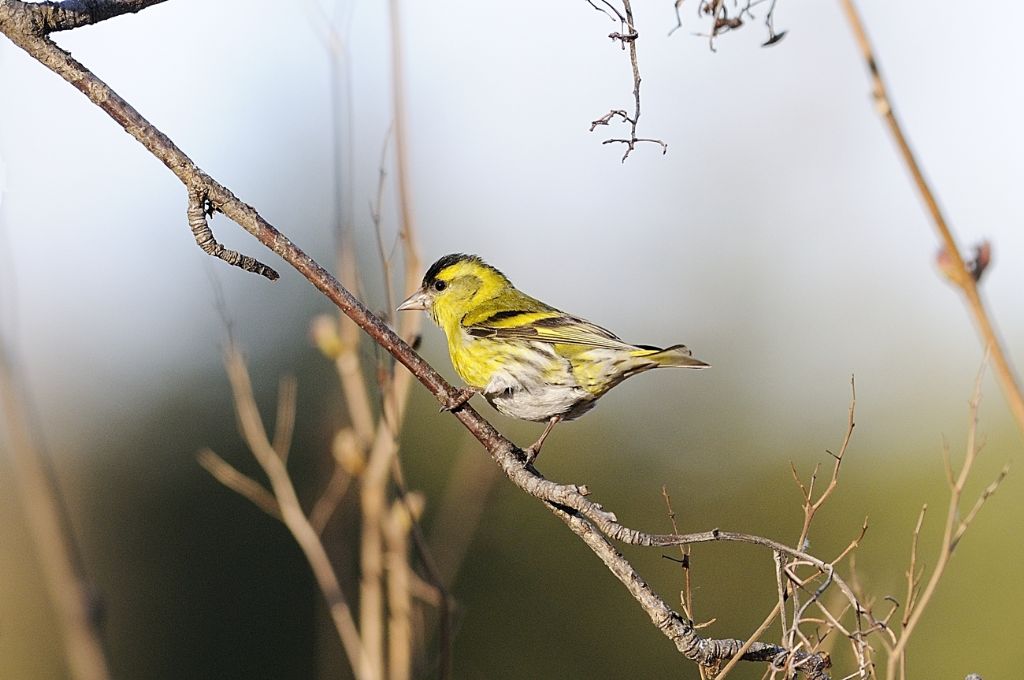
(448, 261)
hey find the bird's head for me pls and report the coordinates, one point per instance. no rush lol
(454, 286)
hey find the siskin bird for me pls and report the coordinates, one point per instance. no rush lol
(528, 359)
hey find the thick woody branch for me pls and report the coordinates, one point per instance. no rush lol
(50, 17)
(68, 14)
(587, 519)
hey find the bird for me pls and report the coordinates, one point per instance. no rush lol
(528, 359)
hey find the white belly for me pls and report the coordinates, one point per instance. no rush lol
(553, 400)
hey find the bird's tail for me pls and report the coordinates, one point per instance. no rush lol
(675, 356)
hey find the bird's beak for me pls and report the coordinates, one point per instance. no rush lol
(418, 300)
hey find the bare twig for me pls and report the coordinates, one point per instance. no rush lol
(255, 435)
(954, 530)
(810, 504)
(445, 600)
(723, 20)
(959, 271)
(198, 209)
(284, 422)
(240, 483)
(627, 38)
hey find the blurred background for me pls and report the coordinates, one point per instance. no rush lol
(780, 238)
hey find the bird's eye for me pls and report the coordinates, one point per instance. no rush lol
(440, 285)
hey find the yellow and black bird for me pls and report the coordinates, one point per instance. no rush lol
(528, 359)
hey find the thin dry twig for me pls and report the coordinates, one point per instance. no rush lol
(327, 503)
(913, 574)
(255, 435)
(239, 482)
(961, 273)
(810, 504)
(953, 532)
(686, 564)
(627, 38)
(793, 586)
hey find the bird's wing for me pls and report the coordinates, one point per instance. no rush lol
(552, 327)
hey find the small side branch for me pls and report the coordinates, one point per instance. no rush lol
(199, 208)
(282, 501)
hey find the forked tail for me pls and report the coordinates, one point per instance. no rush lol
(675, 356)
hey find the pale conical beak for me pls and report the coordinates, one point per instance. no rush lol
(418, 300)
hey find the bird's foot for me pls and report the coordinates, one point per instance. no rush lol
(533, 450)
(462, 395)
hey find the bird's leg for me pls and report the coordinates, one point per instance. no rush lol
(533, 450)
(463, 394)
